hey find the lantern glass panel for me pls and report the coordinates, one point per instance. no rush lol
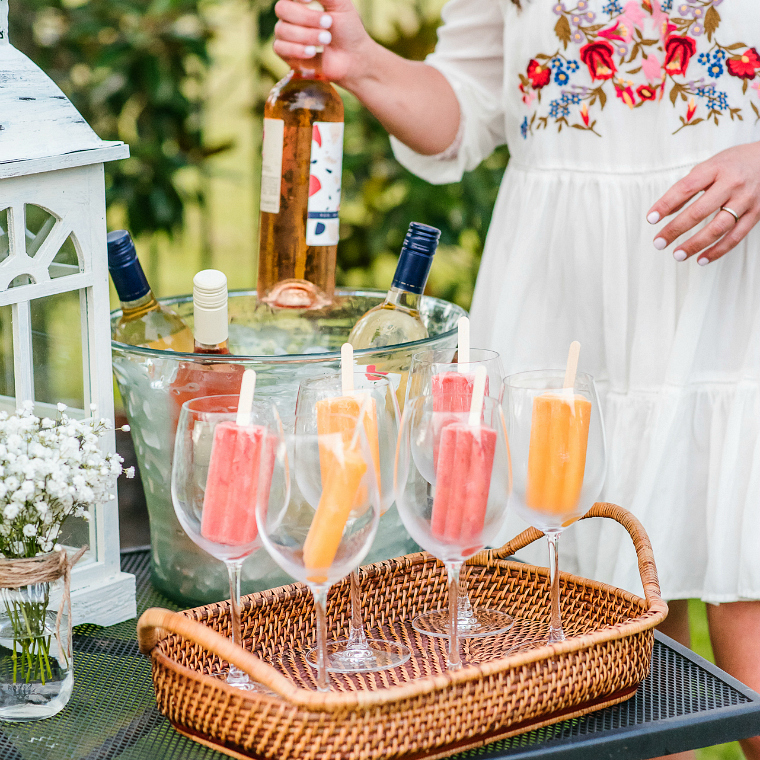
(57, 349)
(7, 377)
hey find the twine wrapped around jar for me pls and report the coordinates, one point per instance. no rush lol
(47, 568)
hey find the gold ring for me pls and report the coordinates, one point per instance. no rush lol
(730, 211)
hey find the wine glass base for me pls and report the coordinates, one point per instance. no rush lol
(478, 622)
(368, 656)
(240, 680)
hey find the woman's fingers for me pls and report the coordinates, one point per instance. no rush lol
(722, 224)
(732, 238)
(692, 215)
(298, 14)
(698, 179)
(301, 34)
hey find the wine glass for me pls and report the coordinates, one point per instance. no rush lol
(556, 437)
(316, 397)
(319, 538)
(221, 469)
(432, 373)
(465, 458)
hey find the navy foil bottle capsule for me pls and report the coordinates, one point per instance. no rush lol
(126, 272)
(416, 257)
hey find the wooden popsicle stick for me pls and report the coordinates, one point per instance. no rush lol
(478, 394)
(347, 367)
(463, 343)
(245, 402)
(572, 364)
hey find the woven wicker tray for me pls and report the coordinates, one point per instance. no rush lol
(510, 683)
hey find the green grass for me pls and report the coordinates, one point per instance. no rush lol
(700, 643)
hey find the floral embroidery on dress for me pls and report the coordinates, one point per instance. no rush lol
(639, 51)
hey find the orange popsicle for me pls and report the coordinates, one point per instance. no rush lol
(557, 454)
(339, 415)
(340, 485)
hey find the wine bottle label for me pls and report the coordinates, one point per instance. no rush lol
(324, 183)
(271, 165)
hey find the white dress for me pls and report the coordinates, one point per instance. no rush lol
(596, 134)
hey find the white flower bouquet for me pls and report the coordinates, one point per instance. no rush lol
(49, 470)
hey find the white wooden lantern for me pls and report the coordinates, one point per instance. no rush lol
(53, 246)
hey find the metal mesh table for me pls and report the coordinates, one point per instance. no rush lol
(685, 703)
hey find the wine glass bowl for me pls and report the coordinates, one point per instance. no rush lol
(552, 495)
(450, 383)
(558, 450)
(453, 481)
(428, 364)
(223, 467)
(317, 398)
(327, 526)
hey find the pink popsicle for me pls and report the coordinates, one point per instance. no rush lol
(240, 470)
(452, 391)
(463, 480)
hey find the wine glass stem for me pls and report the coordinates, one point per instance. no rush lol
(356, 637)
(234, 572)
(234, 569)
(454, 660)
(320, 606)
(555, 624)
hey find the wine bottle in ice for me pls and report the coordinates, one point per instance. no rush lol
(210, 377)
(397, 319)
(302, 157)
(144, 321)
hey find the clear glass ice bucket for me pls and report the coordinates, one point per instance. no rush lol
(284, 347)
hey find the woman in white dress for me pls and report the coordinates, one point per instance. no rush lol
(616, 113)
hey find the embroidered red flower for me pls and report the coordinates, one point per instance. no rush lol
(539, 75)
(645, 92)
(678, 53)
(598, 57)
(744, 66)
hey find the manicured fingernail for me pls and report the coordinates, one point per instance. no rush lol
(325, 38)
(310, 51)
(653, 218)
(703, 261)
(679, 255)
(326, 21)
(660, 243)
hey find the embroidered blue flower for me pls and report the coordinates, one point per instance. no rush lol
(706, 92)
(704, 58)
(715, 69)
(573, 66)
(556, 62)
(613, 7)
(558, 109)
(524, 128)
(561, 77)
(721, 101)
(571, 98)
(666, 5)
(719, 55)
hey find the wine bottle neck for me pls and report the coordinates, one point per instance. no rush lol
(309, 68)
(403, 299)
(140, 306)
(205, 348)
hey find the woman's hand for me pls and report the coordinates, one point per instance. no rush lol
(338, 29)
(730, 179)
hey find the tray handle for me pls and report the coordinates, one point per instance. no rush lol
(156, 622)
(641, 543)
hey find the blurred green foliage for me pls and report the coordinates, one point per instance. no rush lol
(137, 71)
